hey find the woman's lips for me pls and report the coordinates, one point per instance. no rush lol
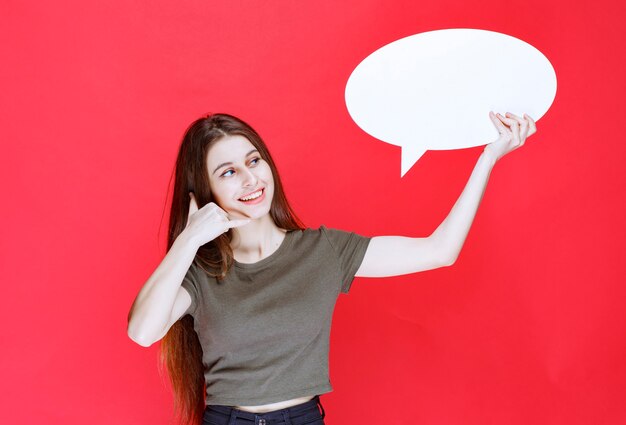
(256, 200)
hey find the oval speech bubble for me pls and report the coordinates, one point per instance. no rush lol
(434, 90)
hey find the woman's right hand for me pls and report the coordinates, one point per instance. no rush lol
(511, 137)
(208, 222)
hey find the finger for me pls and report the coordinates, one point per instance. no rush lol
(193, 206)
(222, 213)
(514, 129)
(237, 223)
(222, 216)
(232, 217)
(211, 207)
(501, 128)
(523, 125)
(516, 133)
(507, 121)
(219, 210)
(516, 118)
(531, 124)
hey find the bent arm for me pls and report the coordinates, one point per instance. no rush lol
(398, 255)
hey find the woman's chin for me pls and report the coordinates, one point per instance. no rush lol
(257, 216)
(240, 215)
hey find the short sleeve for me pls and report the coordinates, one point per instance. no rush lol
(190, 283)
(349, 249)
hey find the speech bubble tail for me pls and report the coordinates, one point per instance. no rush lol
(409, 157)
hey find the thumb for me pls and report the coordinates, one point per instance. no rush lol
(193, 206)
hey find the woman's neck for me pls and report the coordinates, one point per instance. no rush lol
(256, 240)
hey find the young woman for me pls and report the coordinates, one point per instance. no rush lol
(244, 297)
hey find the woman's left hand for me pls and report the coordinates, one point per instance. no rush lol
(513, 133)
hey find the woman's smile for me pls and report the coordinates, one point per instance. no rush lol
(254, 198)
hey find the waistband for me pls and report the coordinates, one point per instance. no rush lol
(274, 414)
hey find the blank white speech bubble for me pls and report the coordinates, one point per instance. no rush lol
(434, 90)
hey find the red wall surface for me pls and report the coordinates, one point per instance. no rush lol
(527, 327)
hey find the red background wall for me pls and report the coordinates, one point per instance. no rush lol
(527, 327)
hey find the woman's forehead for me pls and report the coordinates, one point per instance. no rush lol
(230, 148)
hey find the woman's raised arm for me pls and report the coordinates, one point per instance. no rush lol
(398, 255)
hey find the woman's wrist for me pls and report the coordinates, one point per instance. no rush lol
(488, 157)
(189, 239)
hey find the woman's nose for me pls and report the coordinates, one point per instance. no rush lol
(249, 178)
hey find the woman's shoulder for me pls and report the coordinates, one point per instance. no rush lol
(311, 235)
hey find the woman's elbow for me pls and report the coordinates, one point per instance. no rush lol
(139, 339)
(137, 333)
(449, 260)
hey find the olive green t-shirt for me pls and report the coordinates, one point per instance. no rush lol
(265, 328)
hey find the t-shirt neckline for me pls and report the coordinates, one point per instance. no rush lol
(284, 245)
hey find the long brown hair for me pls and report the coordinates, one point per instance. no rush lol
(180, 350)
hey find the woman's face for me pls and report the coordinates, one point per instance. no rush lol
(236, 170)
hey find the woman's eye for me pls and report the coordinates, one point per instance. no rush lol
(254, 161)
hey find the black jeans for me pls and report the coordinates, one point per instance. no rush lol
(300, 414)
